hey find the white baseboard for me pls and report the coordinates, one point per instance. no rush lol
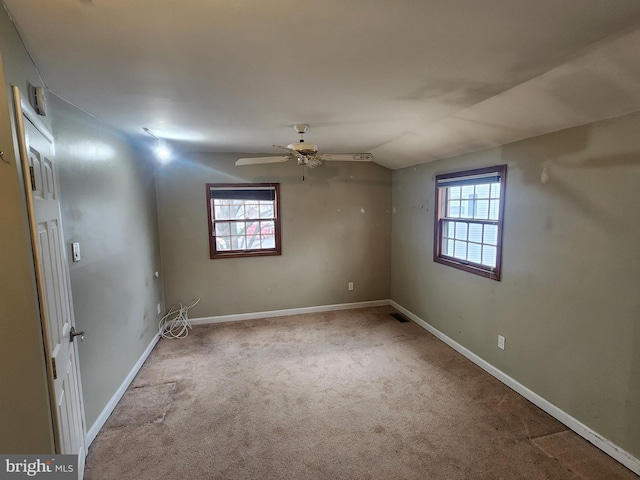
(108, 409)
(289, 311)
(578, 427)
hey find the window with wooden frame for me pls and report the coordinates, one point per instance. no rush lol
(468, 220)
(244, 219)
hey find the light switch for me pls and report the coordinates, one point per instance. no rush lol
(75, 247)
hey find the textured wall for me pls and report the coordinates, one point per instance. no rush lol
(107, 192)
(568, 303)
(336, 228)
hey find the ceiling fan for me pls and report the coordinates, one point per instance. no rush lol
(306, 154)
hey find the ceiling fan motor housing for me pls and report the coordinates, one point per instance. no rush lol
(304, 148)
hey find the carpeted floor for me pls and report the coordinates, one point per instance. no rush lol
(342, 395)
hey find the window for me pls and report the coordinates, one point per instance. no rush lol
(244, 219)
(468, 222)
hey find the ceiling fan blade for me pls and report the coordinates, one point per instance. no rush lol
(291, 151)
(261, 160)
(313, 162)
(346, 157)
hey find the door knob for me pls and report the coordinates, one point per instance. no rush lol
(73, 334)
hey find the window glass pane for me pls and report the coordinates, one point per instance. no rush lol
(237, 242)
(448, 228)
(253, 241)
(252, 228)
(268, 241)
(223, 243)
(221, 212)
(454, 193)
(475, 233)
(252, 210)
(495, 190)
(460, 250)
(489, 255)
(466, 209)
(237, 228)
(222, 228)
(474, 253)
(266, 210)
(493, 209)
(482, 191)
(467, 191)
(454, 209)
(491, 234)
(447, 247)
(461, 231)
(267, 228)
(236, 211)
(482, 209)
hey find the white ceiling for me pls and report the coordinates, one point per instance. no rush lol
(410, 81)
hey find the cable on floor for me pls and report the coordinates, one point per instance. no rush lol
(175, 324)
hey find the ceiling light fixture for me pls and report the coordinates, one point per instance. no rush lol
(162, 151)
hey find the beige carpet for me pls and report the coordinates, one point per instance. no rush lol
(342, 395)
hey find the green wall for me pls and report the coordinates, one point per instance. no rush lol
(107, 192)
(568, 303)
(336, 228)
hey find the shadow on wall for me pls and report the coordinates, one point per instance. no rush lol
(555, 150)
(560, 163)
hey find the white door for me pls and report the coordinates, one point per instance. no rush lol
(52, 274)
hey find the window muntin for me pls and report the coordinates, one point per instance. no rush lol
(469, 217)
(244, 219)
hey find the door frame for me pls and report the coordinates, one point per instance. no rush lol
(23, 109)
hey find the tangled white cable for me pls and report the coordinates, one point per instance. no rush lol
(175, 324)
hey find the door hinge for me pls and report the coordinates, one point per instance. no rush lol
(33, 178)
(53, 367)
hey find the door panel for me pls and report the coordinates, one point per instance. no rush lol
(52, 275)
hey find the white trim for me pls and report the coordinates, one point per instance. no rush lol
(289, 311)
(108, 409)
(622, 456)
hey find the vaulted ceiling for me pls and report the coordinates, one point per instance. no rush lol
(410, 81)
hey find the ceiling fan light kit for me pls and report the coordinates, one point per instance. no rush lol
(306, 154)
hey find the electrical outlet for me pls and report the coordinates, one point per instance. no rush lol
(159, 308)
(350, 286)
(501, 341)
